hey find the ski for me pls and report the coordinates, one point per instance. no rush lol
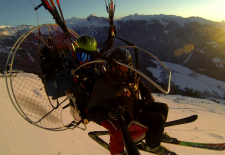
(182, 121)
(142, 146)
(208, 146)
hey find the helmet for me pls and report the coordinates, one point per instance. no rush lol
(87, 42)
(121, 55)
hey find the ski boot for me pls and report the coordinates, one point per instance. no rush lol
(123, 153)
(159, 150)
(167, 138)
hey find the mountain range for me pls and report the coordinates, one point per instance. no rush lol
(194, 42)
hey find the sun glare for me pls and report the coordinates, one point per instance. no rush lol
(214, 10)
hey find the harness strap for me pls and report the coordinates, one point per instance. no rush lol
(130, 108)
(126, 95)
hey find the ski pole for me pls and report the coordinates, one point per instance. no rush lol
(131, 148)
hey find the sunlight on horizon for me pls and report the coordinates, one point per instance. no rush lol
(214, 11)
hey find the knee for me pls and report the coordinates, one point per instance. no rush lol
(160, 123)
(164, 106)
(161, 118)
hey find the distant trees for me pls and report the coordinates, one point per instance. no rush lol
(190, 92)
(176, 90)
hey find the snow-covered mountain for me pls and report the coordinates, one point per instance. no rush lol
(13, 30)
(195, 43)
(189, 81)
(91, 20)
(165, 18)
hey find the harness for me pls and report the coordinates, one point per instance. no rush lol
(127, 92)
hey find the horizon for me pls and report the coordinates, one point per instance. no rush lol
(115, 18)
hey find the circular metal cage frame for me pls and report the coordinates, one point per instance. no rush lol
(25, 87)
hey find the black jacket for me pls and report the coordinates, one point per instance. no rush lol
(104, 97)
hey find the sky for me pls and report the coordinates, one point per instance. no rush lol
(21, 12)
(18, 137)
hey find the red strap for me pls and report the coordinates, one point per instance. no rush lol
(49, 6)
(75, 79)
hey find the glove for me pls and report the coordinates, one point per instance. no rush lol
(110, 39)
(113, 112)
(149, 99)
(110, 31)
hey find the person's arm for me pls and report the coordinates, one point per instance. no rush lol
(110, 40)
(98, 114)
(146, 93)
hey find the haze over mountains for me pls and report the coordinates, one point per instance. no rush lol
(194, 42)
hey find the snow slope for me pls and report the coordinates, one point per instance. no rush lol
(18, 137)
(185, 77)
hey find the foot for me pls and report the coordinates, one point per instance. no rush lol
(160, 150)
(167, 138)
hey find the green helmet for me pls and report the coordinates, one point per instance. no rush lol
(87, 42)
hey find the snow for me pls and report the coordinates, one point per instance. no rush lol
(74, 21)
(213, 44)
(200, 20)
(155, 72)
(166, 31)
(22, 138)
(12, 30)
(4, 26)
(219, 62)
(202, 51)
(189, 56)
(84, 22)
(163, 19)
(9, 33)
(185, 77)
(30, 56)
(200, 69)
